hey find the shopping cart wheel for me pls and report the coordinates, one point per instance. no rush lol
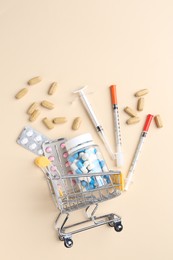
(111, 224)
(68, 242)
(118, 226)
(61, 238)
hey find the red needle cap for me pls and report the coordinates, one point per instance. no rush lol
(147, 122)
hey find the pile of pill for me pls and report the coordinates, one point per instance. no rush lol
(89, 160)
(34, 112)
(134, 118)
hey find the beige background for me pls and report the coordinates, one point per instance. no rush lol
(97, 43)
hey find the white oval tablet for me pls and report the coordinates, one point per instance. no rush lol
(24, 140)
(38, 138)
(32, 146)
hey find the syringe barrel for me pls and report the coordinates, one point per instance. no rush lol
(88, 108)
(95, 121)
(117, 124)
(135, 159)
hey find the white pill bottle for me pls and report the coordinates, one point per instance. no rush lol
(84, 157)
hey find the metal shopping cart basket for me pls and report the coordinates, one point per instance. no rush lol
(69, 195)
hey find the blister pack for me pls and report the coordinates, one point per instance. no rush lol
(57, 154)
(32, 140)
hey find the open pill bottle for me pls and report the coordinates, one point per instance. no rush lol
(84, 157)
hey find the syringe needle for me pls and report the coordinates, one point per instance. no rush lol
(94, 120)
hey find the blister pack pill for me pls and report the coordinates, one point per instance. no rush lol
(32, 140)
(57, 154)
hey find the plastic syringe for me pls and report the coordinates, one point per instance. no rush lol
(119, 154)
(94, 120)
(138, 151)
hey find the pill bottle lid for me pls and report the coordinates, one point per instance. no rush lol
(79, 142)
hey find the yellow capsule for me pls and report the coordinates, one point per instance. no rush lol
(133, 120)
(59, 120)
(141, 92)
(48, 123)
(21, 93)
(47, 104)
(34, 80)
(32, 107)
(158, 121)
(140, 104)
(76, 123)
(34, 115)
(52, 89)
(130, 111)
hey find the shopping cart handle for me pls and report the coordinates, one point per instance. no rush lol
(70, 176)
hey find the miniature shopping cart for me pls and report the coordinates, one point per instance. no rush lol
(69, 195)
